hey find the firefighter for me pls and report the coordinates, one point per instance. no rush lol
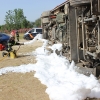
(17, 35)
(13, 33)
(11, 42)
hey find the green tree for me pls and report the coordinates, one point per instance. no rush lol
(9, 19)
(15, 19)
(37, 23)
(3, 28)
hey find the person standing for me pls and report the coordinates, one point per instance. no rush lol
(17, 35)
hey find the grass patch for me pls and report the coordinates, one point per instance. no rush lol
(21, 35)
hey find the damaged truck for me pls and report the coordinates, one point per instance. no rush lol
(76, 25)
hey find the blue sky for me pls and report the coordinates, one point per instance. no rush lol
(32, 8)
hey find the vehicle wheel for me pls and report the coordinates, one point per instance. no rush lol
(27, 38)
(78, 2)
(45, 14)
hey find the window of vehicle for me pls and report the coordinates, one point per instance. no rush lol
(31, 31)
(34, 34)
(39, 30)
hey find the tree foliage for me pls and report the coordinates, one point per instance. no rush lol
(15, 19)
(37, 23)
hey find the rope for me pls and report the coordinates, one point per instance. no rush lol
(18, 48)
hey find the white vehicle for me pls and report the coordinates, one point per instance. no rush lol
(29, 35)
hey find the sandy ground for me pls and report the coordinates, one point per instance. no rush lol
(18, 86)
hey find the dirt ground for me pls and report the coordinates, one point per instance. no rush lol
(18, 86)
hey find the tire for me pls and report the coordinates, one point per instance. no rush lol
(45, 14)
(27, 38)
(45, 20)
(78, 2)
